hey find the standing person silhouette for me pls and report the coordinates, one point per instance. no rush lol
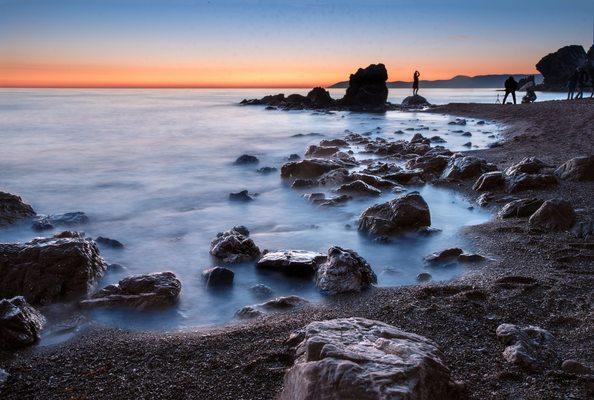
(510, 87)
(572, 83)
(582, 82)
(416, 83)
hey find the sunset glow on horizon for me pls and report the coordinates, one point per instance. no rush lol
(185, 43)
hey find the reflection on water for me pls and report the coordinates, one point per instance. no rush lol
(153, 169)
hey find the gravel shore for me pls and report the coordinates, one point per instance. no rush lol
(247, 361)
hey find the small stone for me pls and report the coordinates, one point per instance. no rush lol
(424, 277)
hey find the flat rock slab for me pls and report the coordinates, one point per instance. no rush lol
(356, 358)
(292, 262)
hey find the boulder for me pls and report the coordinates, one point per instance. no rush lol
(437, 139)
(319, 98)
(521, 181)
(576, 367)
(292, 262)
(529, 165)
(526, 347)
(335, 177)
(577, 169)
(356, 358)
(522, 208)
(465, 167)
(553, 215)
(428, 164)
(372, 180)
(358, 188)
(418, 138)
(217, 276)
(277, 304)
(139, 292)
(424, 277)
(234, 246)
(248, 312)
(13, 209)
(20, 323)
(344, 271)
(556, 68)
(321, 200)
(310, 168)
(409, 211)
(320, 151)
(242, 196)
(488, 181)
(46, 270)
(444, 256)
(246, 159)
(367, 87)
(107, 242)
(415, 101)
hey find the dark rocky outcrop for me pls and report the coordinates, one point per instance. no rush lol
(234, 246)
(47, 270)
(553, 215)
(409, 211)
(321, 200)
(13, 209)
(367, 87)
(577, 169)
(344, 271)
(218, 276)
(310, 168)
(139, 292)
(314, 151)
(557, 67)
(529, 165)
(292, 262)
(444, 256)
(319, 97)
(20, 323)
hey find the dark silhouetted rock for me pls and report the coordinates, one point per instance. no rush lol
(107, 242)
(418, 138)
(415, 101)
(217, 276)
(488, 181)
(437, 139)
(428, 164)
(246, 159)
(294, 157)
(554, 215)
(47, 270)
(344, 271)
(13, 209)
(409, 211)
(522, 208)
(577, 169)
(310, 168)
(20, 323)
(234, 246)
(292, 262)
(556, 68)
(139, 292)
(319, 98)
(367, 87)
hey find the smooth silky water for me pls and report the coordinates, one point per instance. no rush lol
(154, 168)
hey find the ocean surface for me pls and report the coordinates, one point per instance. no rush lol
(154, 168)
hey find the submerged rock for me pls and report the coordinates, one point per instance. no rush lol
(266, 170)
(13, 209)
(356, 358)
(140, 292)
(20, 323)
(555, 215)
(292, 262)
(277, 304)
(577, 169)
(246, 159)
(107, 242)
(218, 276)
(526, 347)
(47, 270)
(234, 246)
(243, 196)
(66, 219)
(261, 291)
(344, 271)
(409, 211)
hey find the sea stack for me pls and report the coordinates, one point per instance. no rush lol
(367, 87)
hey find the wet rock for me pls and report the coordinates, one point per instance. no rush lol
(358, 188)
(3, 378)
(246, 159)
(484, 199)
(555, 215)
(266, 170)
(292, 262)
(234, 246)
(576, 367)
(20, 323)
(261, 291)
(428, 164)
(332, 201)
(13, 209)
(489, 181)
(467, 144)
(344, 271)
(467, 134)
(437, 139)
(139, 292)
(218, 276)
(526, 347)
(367, 87)
(361, 359)
(529, 165)
(294, 157)
(372, 180)
(283, 303)
(310, 168)
(444, 256)
(522, 208)
(458, 121)
(42, 224)
(557, 67)
(334, 143)
(304, 183)
(522, 181)
(335, 177)
(409, 211)
(46, 270)
(577, 169)
(418, 138)
(415, 101)
(320, 152)
(465, 167)
(405, 177)
(471, 258)
(381, 168)
(424, 277)
(241, 196)
(107, 242)
(66, 219)
(248, 312)
(115, 267)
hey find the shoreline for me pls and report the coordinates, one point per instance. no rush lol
(247, 360)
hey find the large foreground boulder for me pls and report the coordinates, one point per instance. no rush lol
(557, 67)
(553, 215)
(20, 323)
(234, 246)
(577, 169)
(140, 292)
(356, 358)
(292, 262)
(367, 87)
(13, 209)
(409, 211)
(344, 271)
(47, 270)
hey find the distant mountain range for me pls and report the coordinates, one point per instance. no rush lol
(457, 82)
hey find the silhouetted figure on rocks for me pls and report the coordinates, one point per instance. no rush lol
(582, 82)
(510, 87)
(416, 76)
(572, 83)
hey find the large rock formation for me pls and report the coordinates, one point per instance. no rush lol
(52, 269)
(139, 292)
(234, 246)
(356, 358)
(367, 87)
(409, 211)
(19, 323)
(13, 209)
(344, 271)
(557, 67)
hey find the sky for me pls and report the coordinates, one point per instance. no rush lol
(282, 43)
